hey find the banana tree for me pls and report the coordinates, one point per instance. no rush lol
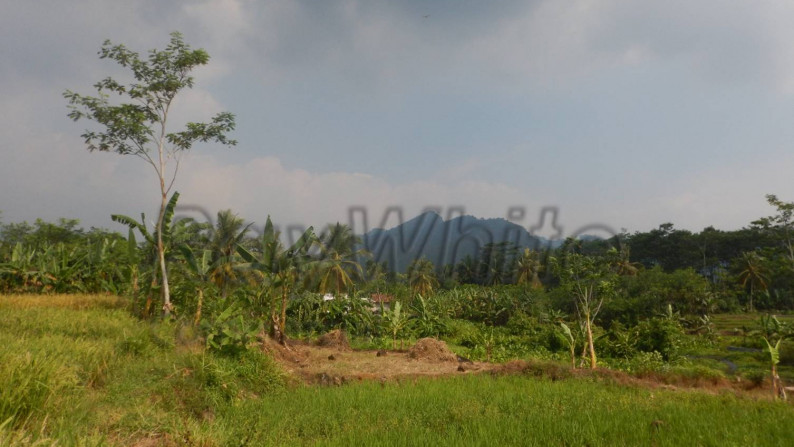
(20, 269)
(151, 251)
(590, 281)
(395, 321)
(62, 268)
(778, 390)
(277, 269)
(201, 268)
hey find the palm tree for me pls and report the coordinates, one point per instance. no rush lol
(528, 269)
(422, 276)
(339, 238)
(338, 267)
(229, 232)
(335, 274)
(278, 269)
(753, 273)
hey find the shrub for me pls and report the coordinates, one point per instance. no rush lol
(661, 335)
(618, 342)
(462, 332)
(229, 333)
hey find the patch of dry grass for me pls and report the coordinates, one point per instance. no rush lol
(310, 363)
(71, 301)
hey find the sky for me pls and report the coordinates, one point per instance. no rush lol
(618, 114)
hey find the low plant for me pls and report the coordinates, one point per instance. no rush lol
(229, 333)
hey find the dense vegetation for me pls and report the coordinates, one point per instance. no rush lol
(631, 296)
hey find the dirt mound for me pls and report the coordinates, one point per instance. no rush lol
(290, 353)
(432, 350)
(334, 339)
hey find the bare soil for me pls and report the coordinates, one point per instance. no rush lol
(333, 362)
(327, 363)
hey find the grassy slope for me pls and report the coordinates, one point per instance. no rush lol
(82, 372)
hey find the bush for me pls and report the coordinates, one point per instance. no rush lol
(521, 324)
(661, 335)
(229, 333)
(618, 342)
(463, 333)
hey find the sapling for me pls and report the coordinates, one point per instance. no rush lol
(774, 353)
(571, 342)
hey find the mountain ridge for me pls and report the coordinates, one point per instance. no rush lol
(443, 242)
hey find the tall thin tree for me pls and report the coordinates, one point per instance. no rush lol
(139, 126)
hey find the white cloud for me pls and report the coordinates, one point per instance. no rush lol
(263, 186)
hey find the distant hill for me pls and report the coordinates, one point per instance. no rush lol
(444, 242)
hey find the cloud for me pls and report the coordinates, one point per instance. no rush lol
(263, 187)
(619, 112)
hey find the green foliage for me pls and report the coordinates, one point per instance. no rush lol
(159, 391)
(351, 314)
(618, 342)
(427, 320)
(229, 332)
(395, 321)
(651, 291)
(661, 335)
(422, 276)
(139, 127)
(774, 351)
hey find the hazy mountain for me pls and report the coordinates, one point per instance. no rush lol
(444, 242)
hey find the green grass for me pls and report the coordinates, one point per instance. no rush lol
(516, 410)
(731, 322)
(73, 373)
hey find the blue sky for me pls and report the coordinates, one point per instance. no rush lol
(623, 113)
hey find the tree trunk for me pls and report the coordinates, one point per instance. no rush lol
(573, 355)
(590, 346)
(198, 308)
(778, 390)
(166, 293)
(283, 320)
(751, 295)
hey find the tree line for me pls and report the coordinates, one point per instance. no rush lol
(214, 267)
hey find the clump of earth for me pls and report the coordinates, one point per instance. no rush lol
(433, 350)
(335, 339)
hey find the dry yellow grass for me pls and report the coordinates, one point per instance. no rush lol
(71, 301)
(312, 363)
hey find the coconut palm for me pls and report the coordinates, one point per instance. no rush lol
(338, 267)
(528, 268)
(753, 274)
(422, 276)
(339, 238)
(229, 231)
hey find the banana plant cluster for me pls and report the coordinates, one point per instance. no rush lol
(86, 266)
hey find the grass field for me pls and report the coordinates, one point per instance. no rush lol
(78, 370)
(732, 322)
